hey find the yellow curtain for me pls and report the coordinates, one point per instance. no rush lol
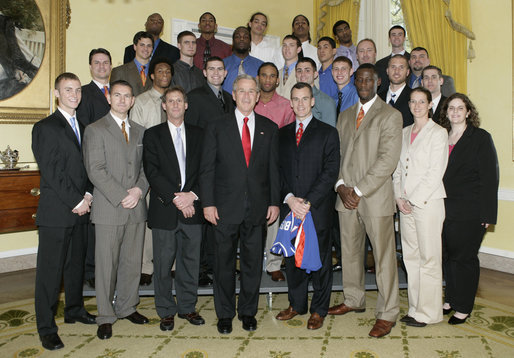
(442, 27)
(327, 12)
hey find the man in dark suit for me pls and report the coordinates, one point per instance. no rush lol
(92, 107)
(113, 157)
(418, 60)
(171, 158)
(432, 79)
(309, 166)
(153, 25)
(239, 187)
(210, 100)
(397, 41)
(397, 94)
(62, 213)
(136, 72)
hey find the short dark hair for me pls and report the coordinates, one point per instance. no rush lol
(422, 90)
(330, 40)
(207, 13)
(432, 67)
(156, 61)
(244, 28)
(306, 20)
(337, 24)
(368, 66)
(300, 85)
(293, 37)
(343, 59)
(99, 50)
(175, 88)
(396, 27)
(419, 48)
(266, 64)
(142, 35)
(212, 59)
(257, 13)
(307, 60)
(65, 76)
(398, 55)
(184, 33)
(122, 83)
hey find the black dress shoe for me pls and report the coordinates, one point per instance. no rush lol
(193, 318)
(337, 267)
(51, 342)
(167, 323)
(204, 280)
(249, 323)
(136, 318)
(454, 320)
(447, 311)
(406, 319)
(145, 279)
(86, 319)
(104, 331)
(224, 325)
(414, 323)
(91, 282)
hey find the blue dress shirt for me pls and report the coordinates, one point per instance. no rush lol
(250, 65)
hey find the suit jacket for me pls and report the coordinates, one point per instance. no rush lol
(114, 166)
(381, 66)
(310, 169)
(63, 176)
(471, 178)
(448, 87)
(163, 49)
(163, 174)
(419, 174)
(401, 104)
(93, 104)
(129, 73)
(369, 156)
(240, 192)
(204, 106)
(437, 111)
(285, 89)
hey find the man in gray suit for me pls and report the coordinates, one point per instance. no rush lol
(113, 150)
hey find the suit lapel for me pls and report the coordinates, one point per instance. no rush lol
(68, 131)
(235, 138)
(368, 117)
(168, 146)
(307, 133)
(114, 129)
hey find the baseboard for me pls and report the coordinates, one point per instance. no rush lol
(17, 263)
(495, 262)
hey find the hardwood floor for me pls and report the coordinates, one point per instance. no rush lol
(494, 286)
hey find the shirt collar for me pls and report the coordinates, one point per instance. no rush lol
(366, 106)
(240, 116)
(100, 85)
(305, 122)
(119, 120)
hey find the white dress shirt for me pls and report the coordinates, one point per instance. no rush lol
(251, 124)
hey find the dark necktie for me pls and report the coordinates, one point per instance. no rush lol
(245, 139)
(206, 52)
(220, 98)
(392, 100)
(339, 101)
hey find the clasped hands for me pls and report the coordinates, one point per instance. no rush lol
(348, 196)
(299, 206)
(184, 202)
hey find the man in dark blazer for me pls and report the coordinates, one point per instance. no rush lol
(239, 187)
(432, 79)
(175, 215)
(309, 166)
(397, 41)
(113, 157)
(153, 25)
(398, 92)
(136, 72)
(418, 60)
(210, 100)
(62, 213)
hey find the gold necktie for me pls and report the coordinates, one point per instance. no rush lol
(360, 117)
(125, 134)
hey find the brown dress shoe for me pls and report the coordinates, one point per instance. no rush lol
(287, 314)
(343, 309)
(277, 275)
(315, 321)
(381, 328)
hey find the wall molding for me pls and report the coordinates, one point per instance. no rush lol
(506, 194)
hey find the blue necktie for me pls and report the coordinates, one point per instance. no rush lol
(75, 129)
(392, 100)
(179, 149)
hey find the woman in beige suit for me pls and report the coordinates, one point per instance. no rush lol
(419, 194)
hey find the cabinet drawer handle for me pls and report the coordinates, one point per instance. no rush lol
(34, 191)
(34, 216)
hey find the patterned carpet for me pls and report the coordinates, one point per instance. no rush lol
(488, 333)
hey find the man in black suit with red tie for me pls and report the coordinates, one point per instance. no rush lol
(171, 159)
(309, 166)
(239, 187)
(62, 214)
(153, 25)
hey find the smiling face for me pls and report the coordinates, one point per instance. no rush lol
(397, 38)
(215, 72)
(143, 50)
(419, 105)
(457, 112)
(366, 53)
(398, 70)
(418, 60)
(268, 79)
(121, 100)
(306, 73)
(69, 94)
(246, 95)
(341, 72)
(366, 83)
(302, 102)
(100, 67)
(175, 107)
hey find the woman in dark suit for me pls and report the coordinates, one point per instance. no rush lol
(471, 183)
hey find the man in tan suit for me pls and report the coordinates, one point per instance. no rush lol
(113, 153)
(370, 132)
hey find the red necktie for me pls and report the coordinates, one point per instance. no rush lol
(245, 138)
(143, 75)
(299, 133)
(360, 117)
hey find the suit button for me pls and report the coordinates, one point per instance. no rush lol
(407, 159)
(130, 177)
(406, 167)
(405, 174)
(425, 202)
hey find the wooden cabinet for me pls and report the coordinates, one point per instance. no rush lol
(19, 196)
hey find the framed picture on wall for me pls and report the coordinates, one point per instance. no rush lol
(32, 54)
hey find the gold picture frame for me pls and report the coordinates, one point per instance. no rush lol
(36, 100)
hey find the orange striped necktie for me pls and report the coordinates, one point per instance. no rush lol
(106, 91)
(143, 75)
(360, 117)
(125, 134)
